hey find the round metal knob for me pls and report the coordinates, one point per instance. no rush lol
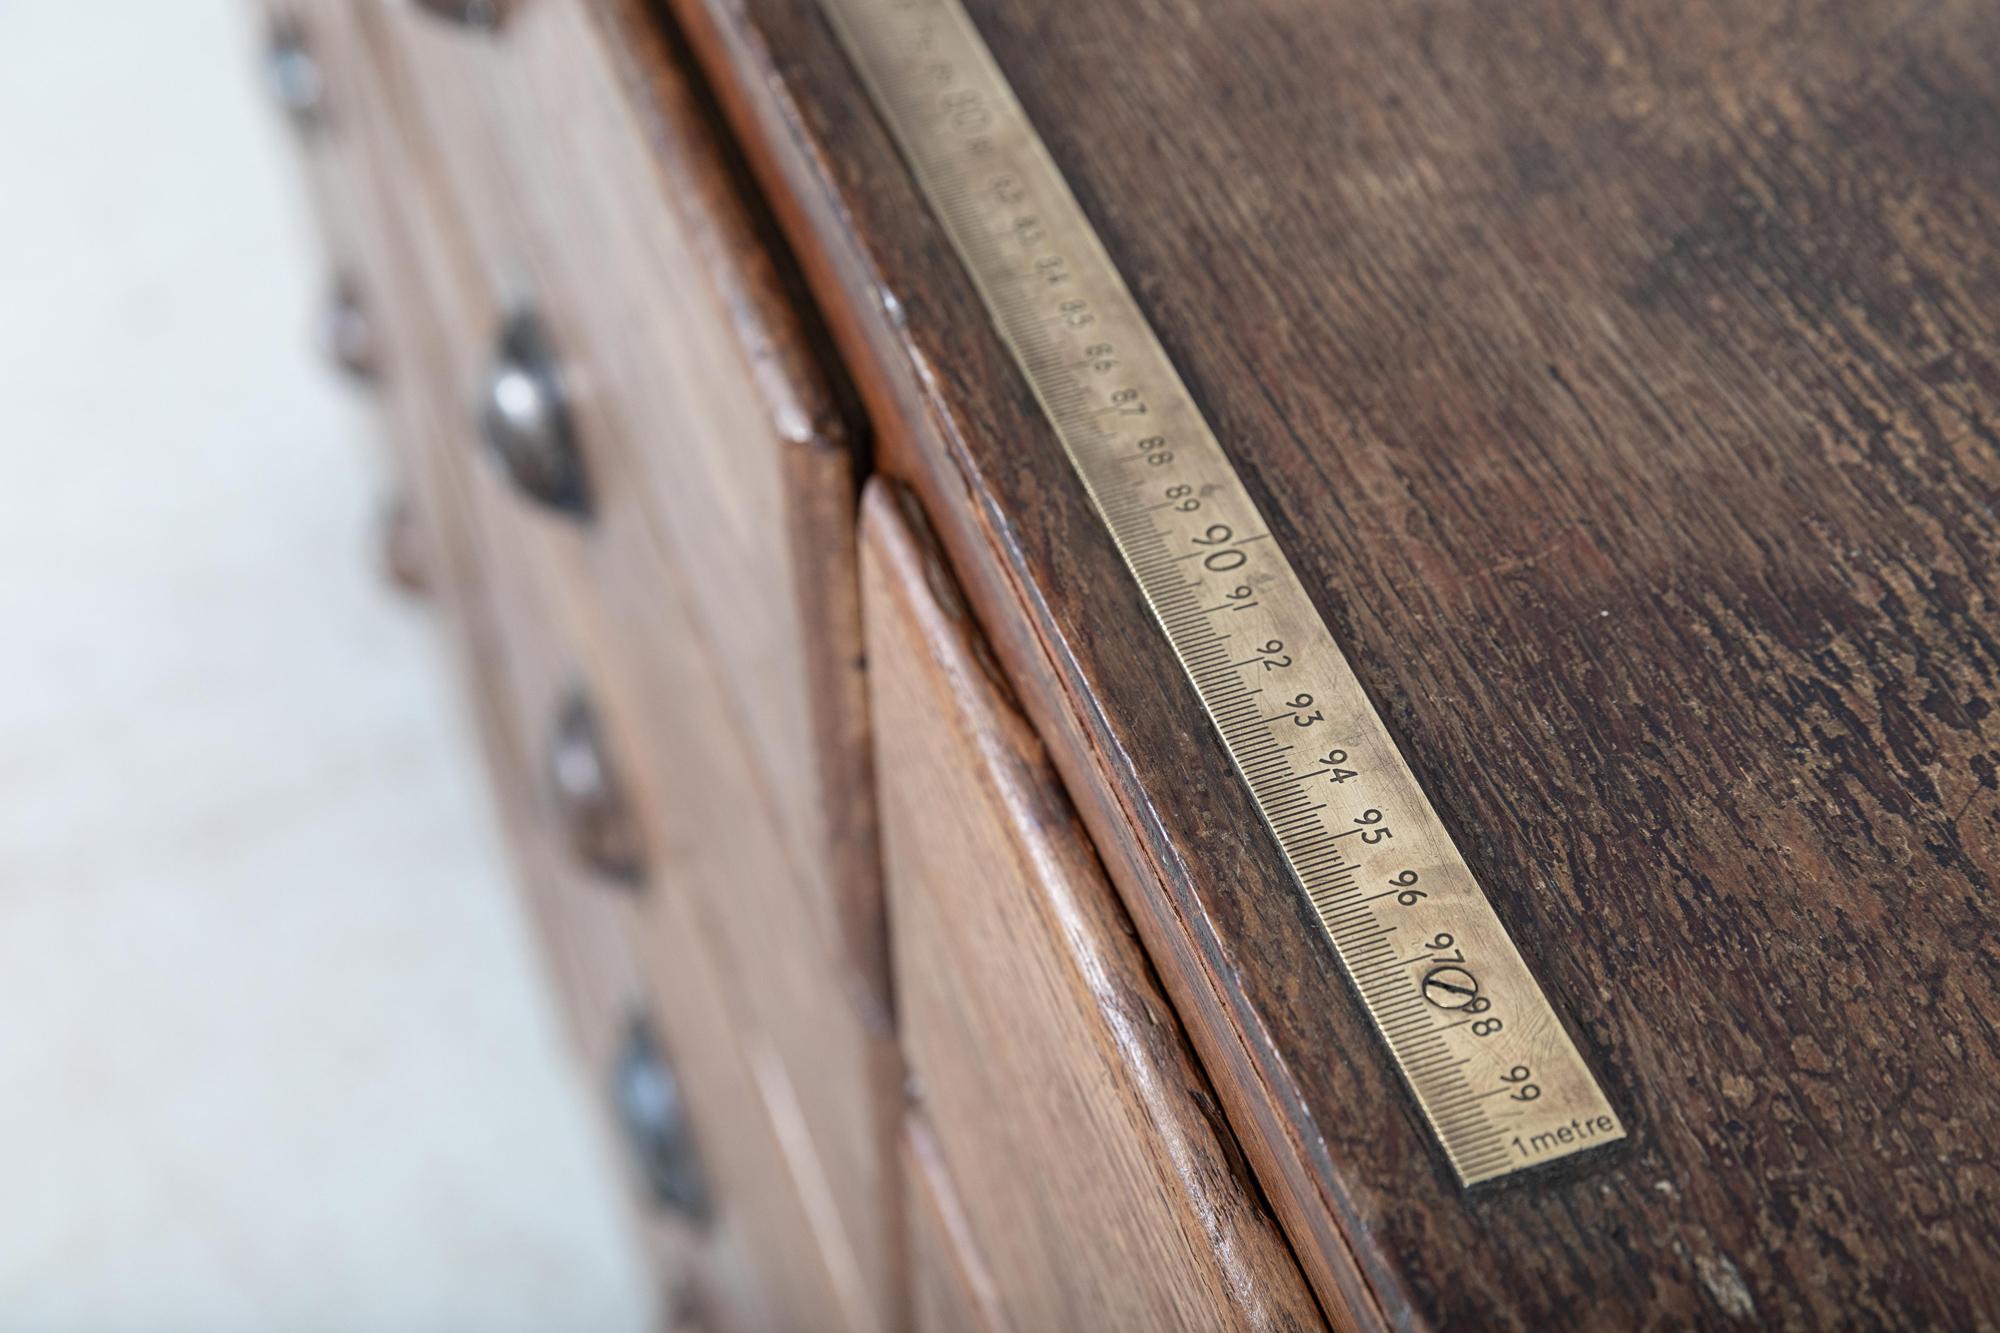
(596, 817)
(293, 74)
(404, 557)
(653, 1114)
(482, 14)
(344, 334)
(525, 420)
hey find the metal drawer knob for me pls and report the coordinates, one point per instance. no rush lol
(653, 1114)
(293, 75)
(525, 420)
(596, 816)
(482, 14)
(344, 333)
(404, 558)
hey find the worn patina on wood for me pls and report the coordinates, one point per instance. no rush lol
(1622, 381)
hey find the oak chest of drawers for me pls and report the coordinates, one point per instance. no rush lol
(1619, 380)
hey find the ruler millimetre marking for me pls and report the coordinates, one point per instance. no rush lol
(1496, 1075)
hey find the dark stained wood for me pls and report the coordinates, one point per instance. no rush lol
(1622, 379)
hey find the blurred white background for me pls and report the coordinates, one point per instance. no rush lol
(273, 1049)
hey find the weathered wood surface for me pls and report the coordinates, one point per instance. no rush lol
(1066, 1106)
(1622, 380)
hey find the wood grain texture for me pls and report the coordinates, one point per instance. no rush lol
(1621, 380)
(809, 436)
(763, 1262)
(951, 1290)
(514, 679)
(592, 187)
(712, 594)
(472, 526)
(774, 1256)
(1068, 1109)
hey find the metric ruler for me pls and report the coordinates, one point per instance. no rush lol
(1476, 1040)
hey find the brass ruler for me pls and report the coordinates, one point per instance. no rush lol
(1497, 1077)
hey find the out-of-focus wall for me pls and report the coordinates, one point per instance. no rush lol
(272, 1049)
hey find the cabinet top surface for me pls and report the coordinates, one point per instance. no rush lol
(1622, 381)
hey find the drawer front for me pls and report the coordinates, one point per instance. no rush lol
(318, 73)
(768, 1253)
(1096, 1175)
(308, 78)
(584, 906)
(705, 563)
(710, 925)
(624, 941)
(950, 1288)
(771, 1253)
(590, 180)
(740, 1249)
(722, 864)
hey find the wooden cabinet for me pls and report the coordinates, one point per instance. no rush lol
(1056, 1083)
(716, 453)
(1620, 399)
